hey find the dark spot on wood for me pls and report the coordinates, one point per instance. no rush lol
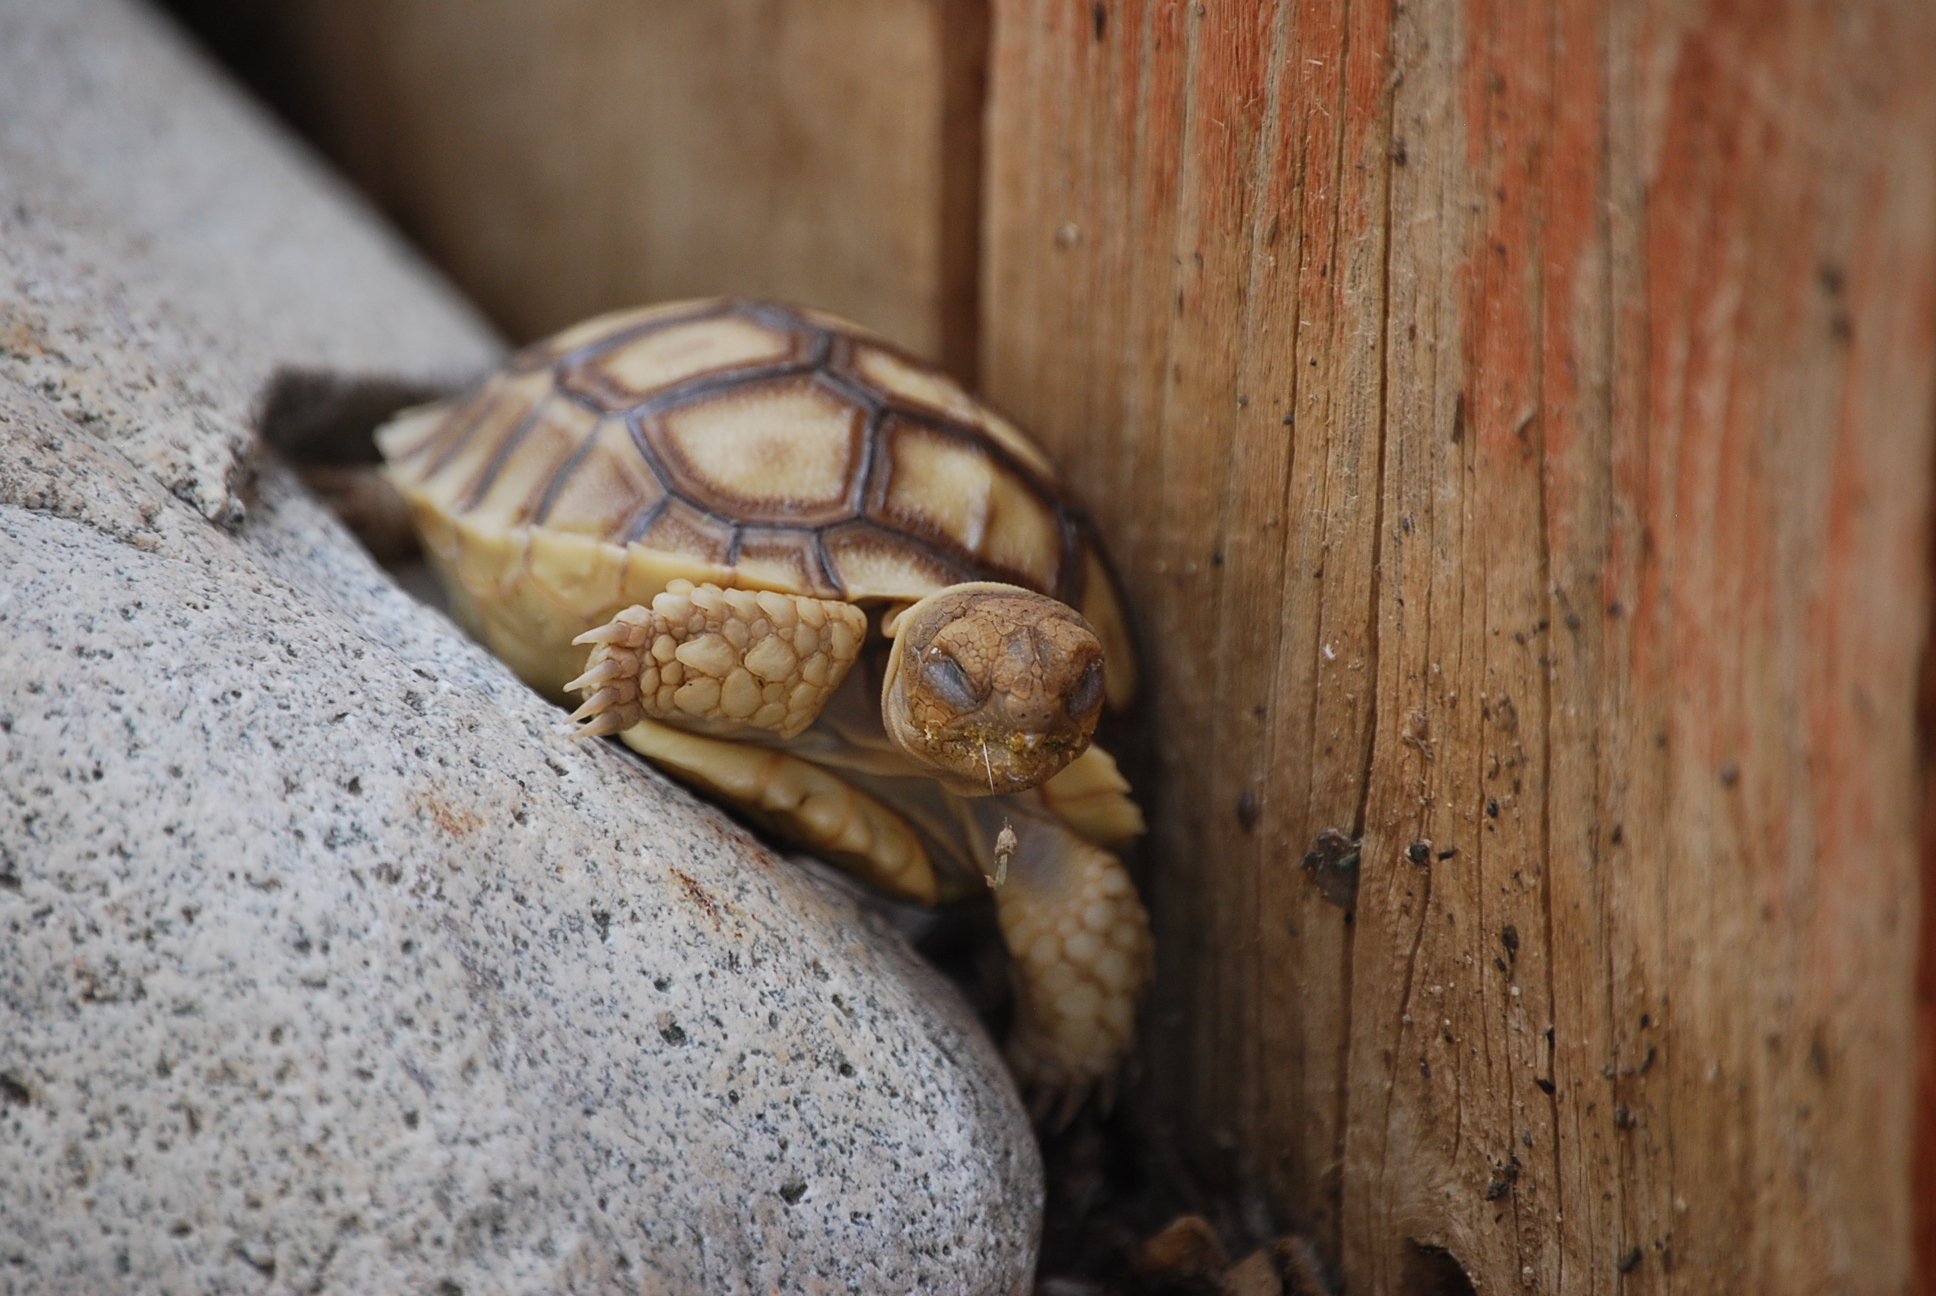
(1832, 278)
(1509, 937)
(1629, 1262)
(1618, 834)
(1332, 866)
(1624, 1119)
(1458, 418)
(1431, 1270)
(1398, 155)
(1419, 853)
(1216, 557)
(1544, 1085)
(1504, 713)
(1496, 1189)
(1290, 419)
(1730, 774)
(1099, 18)
(1248, 810)
(1492, 807)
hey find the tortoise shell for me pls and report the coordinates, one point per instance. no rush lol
(738, 443)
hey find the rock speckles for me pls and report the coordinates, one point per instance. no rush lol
(329, 963)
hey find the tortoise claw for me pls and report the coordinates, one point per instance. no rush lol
(610, 632)
(611, 668)
(599, 703)
(599, 726)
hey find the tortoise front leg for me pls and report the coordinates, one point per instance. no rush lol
(1081, 946)
(721, 658)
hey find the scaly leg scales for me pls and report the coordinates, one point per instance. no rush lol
(718, 658)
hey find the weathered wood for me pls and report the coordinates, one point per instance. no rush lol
(566, 157)
(1516, 425)
(1923, 1188)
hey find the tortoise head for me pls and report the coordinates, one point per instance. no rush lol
(992, 688)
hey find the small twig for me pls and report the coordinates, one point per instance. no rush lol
(1005, 844)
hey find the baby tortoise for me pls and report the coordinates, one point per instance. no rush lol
(811, 576)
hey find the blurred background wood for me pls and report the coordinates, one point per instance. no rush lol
(562, 157)
(1516, 427)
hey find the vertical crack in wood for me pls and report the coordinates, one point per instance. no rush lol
(1546, 660)
(1374, 621)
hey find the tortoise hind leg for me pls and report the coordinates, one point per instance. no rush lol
(1081, 945)
(720, 659)
(797, 801)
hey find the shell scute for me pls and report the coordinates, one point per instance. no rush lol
(680, 528)
(611, 327)
(875, 563)
(928, 389)
(784, 450)
(511, 487)
(639, 365)
(449, 465)
(606, 491)
(943, 487)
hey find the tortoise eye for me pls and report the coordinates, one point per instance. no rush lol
(1087, 692)
(949, 681)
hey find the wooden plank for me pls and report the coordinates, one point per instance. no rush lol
(1515, 424)
(1923, 1189)
(567, 157)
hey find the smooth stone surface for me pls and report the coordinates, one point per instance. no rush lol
(329, 963)
(164, 250)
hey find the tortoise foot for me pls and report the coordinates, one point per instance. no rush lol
(718, 657)
(1081, 945)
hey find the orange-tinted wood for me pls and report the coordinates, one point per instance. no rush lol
(1515, 426)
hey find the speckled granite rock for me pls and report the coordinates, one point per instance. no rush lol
(162, 247)
(328, 964)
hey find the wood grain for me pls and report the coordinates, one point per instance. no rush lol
(1923, 1188)
(1515, 422)
(570, 156)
